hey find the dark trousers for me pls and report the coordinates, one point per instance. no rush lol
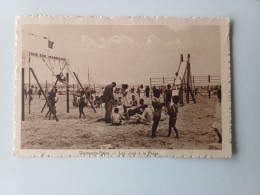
(135, 111)
(125, 109)
(172, 123)
(108, 107)
(156, 120)
(50, 112)
(81, 112)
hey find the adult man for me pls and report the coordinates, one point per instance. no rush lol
(108, 99)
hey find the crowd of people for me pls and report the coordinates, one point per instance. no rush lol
(134, 110)
(142, 113)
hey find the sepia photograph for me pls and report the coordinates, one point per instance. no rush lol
(122, 86)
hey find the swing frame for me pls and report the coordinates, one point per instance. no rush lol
(43, 56)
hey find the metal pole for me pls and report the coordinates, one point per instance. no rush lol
(68, 104)
(209, 87)
(29, 91)
(46, 85)
(23, 118)
(163, 91)
(46, 98)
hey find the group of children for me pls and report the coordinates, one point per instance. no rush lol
(142, 114)
(145, 115)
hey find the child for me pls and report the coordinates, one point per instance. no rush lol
(133, 102)
(217, 125)
(146, 117)
(141, 92)
(157, 105)
(125, 100)
(173, 111)
(116, 118)
(168, 97)
(82, 104)
(40, 93)
(30, 95)
(53, 100)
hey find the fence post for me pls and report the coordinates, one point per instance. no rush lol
(151, 88)
(188, 82)
(209, 93)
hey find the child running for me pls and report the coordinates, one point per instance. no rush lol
(173, 111)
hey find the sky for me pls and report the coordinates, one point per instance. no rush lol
(129, 54)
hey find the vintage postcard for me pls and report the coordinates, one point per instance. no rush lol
(122, 86)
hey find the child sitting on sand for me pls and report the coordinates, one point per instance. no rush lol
(217, 125)
(146, 117)
(173, 111)
(133, 102)
(116, 118)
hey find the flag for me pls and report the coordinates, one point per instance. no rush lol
(50, 44)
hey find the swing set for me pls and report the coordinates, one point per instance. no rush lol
(182, 81)
(26, 60)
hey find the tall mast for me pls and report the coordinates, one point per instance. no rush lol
(88, 79)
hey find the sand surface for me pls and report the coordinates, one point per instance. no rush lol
(194, 124)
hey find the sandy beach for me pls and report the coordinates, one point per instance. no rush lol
(194, 124)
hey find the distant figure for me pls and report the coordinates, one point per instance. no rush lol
(30, 94)
(138, 92)
(154, 90)
(108, 99)
(157, 105)
(133, 102)
(40, 93)
(132, 89)
(98, 101)
(173, 112)
(53, 100)
(125, 99)
(168, 97)
(116, 118)
(88, 92)
(141, 92)
(147, 91)
(82, 104)
(217, 125)
(25, 92)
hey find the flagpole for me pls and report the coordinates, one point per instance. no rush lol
(88, 79)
